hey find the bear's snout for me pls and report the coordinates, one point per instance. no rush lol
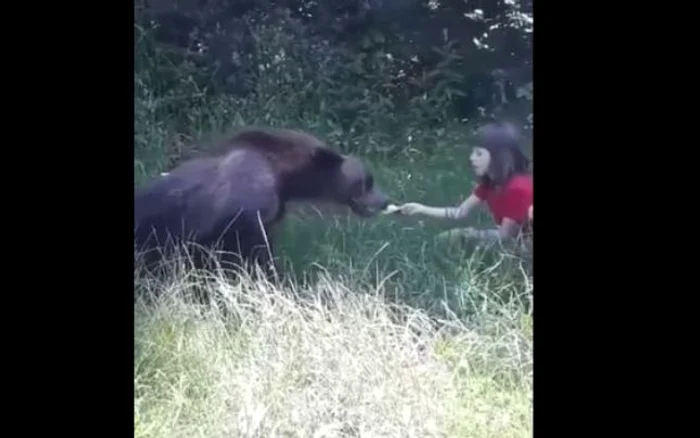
(371, 203)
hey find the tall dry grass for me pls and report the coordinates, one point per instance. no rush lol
(326, 361)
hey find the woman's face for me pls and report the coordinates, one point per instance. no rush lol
(480, 158)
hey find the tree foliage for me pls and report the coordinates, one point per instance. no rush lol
(354, 66)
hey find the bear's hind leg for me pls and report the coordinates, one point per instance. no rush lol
(244, 249)
(262, 258)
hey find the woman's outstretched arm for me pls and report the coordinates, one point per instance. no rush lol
(458, 212)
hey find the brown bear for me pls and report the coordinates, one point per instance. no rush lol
(230, 198)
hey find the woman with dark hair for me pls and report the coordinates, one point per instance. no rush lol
(505, 186)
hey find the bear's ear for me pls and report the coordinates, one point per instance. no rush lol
(326, 158)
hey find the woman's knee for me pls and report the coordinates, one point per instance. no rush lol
(454, 236)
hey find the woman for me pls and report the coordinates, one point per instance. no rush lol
(505, 186)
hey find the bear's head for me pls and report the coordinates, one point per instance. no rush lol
(355, 186)
(341, 179)
(307, 169)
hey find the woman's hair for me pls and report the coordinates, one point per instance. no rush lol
(502, 140)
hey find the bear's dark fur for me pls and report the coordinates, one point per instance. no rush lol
(230, 198)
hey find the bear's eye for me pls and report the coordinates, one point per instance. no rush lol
(362, 186)
(357, 188)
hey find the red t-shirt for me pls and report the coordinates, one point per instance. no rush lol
(512, 200)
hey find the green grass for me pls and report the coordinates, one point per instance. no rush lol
(382, 332)
(352, 347)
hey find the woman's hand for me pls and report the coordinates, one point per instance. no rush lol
(410, 208)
